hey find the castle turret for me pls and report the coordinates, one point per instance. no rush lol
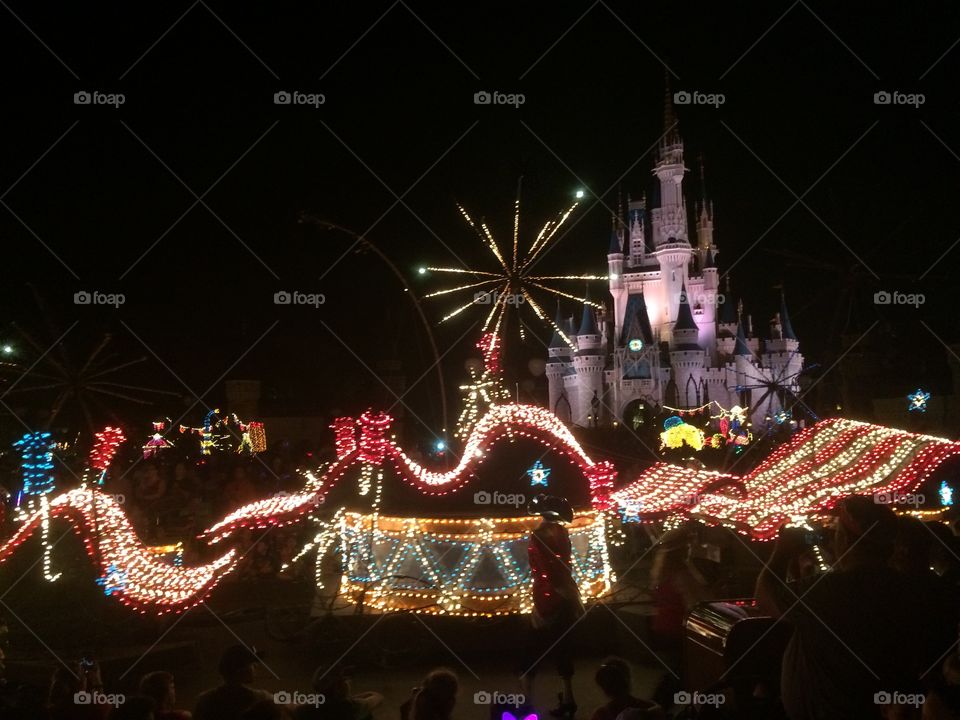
(669, 221)
(559, 353)
(742, 357)
(618, 290)
(636, 217)
(686, 355)
(588, 363)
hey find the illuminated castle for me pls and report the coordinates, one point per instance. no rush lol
(672, 338)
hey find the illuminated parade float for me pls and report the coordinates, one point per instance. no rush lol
(453, 556)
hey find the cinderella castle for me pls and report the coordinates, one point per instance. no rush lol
(670, 337)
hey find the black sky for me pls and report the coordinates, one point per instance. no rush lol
(877, 183)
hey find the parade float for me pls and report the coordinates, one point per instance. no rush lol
(454, 556)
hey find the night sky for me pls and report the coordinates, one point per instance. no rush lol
(106, 199)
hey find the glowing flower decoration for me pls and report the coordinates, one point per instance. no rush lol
(676, 433)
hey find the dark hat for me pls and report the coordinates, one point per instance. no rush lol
(551, 507)
(237, 657)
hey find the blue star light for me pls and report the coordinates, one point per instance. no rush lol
(538, 474)
(946, 494)
(918, 400)
(114, 580)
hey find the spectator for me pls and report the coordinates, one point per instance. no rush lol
(677, 587)
(159, 686)
(338, 703)
(265, 710)
(850, 638)
(556, 598)
(227, 701)
(65, 687)
(613, 678)
(434, 698)
(134, 707)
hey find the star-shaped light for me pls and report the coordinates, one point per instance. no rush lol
(918, 400)
(538, 474)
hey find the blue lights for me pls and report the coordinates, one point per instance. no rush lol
(918, 400)
(36, 463)
(539, 475)
(946, 494)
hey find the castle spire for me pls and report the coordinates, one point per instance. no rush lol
(669, 118)
(557, 341)
(787, 328)
(741, 347)
(685, 319)
(588, 321)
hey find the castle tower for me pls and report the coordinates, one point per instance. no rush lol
(618, 290)
(742, 359)
(686, 356)
(636, 216)
(782, 353)
(704, 213)
(588, 364)
(669, 221)
(558, 361)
